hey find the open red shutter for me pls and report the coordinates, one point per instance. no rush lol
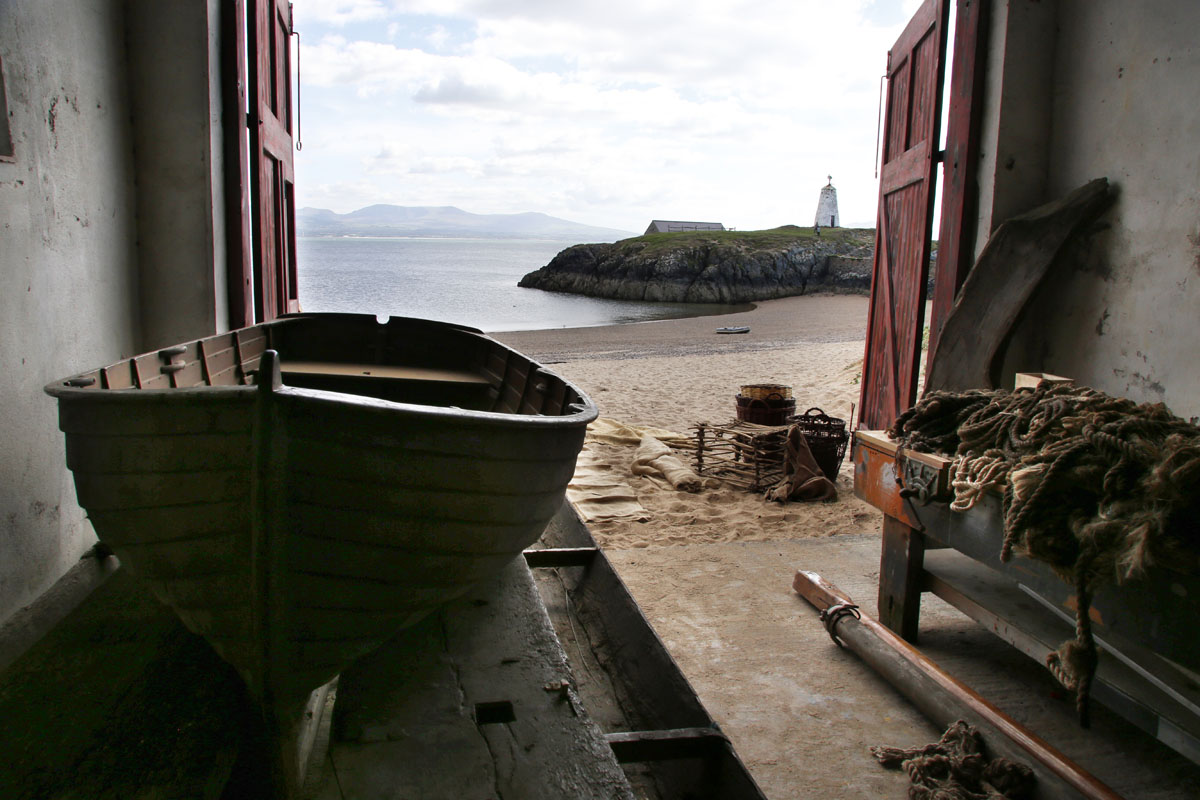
(272, 179)
(903, 231)
(960, 192)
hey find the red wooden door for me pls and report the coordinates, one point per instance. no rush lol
(272, 179)
(896, 319)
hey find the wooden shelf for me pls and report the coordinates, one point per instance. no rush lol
(1149, 691)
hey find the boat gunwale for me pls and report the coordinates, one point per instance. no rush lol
(206, 393)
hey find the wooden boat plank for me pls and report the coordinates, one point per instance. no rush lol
(108, 492)
(376, 467)
(192, 372)
(147, 453)
(220, 360)
(531, 439)
(465, 504)
(118, 376)
(169, 522)
(382, 371)
(372, 526)
(389, 564)
(176, 557)
(204, 593)
(513, 387)
(176, 413)
(251, 344)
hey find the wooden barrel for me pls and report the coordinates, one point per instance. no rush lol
(765, 411)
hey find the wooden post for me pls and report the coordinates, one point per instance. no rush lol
(901, 568)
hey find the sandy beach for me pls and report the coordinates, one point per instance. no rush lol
(672, 374)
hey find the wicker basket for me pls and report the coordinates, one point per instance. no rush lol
(766, 391)
(765, 411)
(826, 437)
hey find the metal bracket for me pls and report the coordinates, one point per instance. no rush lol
(832, 615)
(921, 482)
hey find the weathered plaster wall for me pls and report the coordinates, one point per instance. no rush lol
(1124, 318)
(174, 77)
(68, 284)
(111, 232)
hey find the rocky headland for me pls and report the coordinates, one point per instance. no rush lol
(714, 266)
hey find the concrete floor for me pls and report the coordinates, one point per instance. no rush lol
(801, 713)
(120, 701)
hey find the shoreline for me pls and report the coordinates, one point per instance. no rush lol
(673, 374)
(774, 324)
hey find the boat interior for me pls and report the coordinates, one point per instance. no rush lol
(401, 360)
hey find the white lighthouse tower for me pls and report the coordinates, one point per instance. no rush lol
(827, 213)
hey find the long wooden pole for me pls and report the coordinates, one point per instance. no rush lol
(945, 700)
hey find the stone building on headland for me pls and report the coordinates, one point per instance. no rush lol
(673, 226)
(827, 210)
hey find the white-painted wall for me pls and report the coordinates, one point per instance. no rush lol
(113, 106)
(68, 283)
(1123, 317)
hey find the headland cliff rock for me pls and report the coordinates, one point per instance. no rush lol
(714, 266)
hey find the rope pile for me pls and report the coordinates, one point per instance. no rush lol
(1097, 487)
(956, 768)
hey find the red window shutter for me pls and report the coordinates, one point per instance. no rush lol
(903, 231)
(272, 178)
(956, 245)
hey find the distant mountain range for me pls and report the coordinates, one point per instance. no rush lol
(385, 220)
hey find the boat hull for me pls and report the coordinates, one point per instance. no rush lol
(298, 527)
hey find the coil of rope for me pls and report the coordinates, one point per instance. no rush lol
(1097, 487)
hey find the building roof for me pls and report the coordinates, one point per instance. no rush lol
(672, 226)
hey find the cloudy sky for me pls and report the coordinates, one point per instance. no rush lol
(605, 112)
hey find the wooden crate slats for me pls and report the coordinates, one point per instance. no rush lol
(741, 453)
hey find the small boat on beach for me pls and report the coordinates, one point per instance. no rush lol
(734, 329)
(300, 490)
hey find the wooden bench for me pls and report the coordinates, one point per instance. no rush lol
(1146, 628)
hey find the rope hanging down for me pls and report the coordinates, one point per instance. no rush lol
(1097, 487)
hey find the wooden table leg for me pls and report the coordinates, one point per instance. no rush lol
(901, 565)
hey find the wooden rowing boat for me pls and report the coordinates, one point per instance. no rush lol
(300, 490)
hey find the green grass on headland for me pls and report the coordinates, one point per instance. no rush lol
(772, 239)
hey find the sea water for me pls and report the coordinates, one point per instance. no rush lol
(469, 281)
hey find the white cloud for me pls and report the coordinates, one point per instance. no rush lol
(339, 12)
(596, 111)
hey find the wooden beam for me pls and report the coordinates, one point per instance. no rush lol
(943, 699)
(639, 746)
(900, 577)
(560, 557)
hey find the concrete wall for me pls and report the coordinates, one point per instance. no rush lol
(111, 233)
(68, 283)
(1121, 314)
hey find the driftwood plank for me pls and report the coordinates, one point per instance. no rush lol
(1012, 265)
